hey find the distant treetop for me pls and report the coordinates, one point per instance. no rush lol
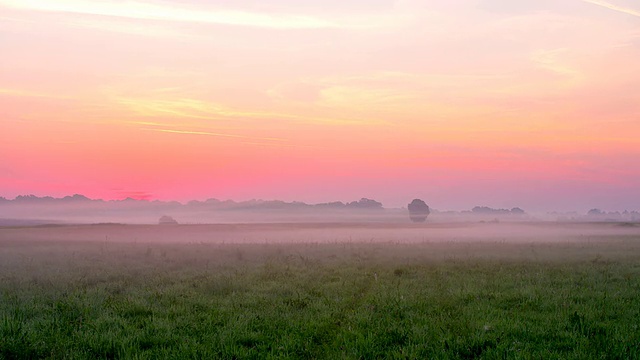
(595, 212)
(491, 211)
(365, 203)
(418, 210)
(167, 220)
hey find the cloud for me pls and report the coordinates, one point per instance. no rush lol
(137, 195)
(130, 27)
(151, 11)
(515, 7)
(205, 110)
(614, 7)
(206, 133)
(26, 93)
(551, 60)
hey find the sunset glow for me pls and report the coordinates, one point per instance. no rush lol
(531, 103)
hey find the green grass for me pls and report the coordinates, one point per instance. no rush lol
(334, 301)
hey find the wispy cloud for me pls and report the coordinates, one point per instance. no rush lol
(26, 93)
(158, 11)
(552, 60)
(614, 7)
(204, 110)
(274, 144)
(206, 133)
(137, 195)
(130, 27)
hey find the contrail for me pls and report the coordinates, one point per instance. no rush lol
(614, 7)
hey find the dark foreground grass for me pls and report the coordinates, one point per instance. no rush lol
(335, 301)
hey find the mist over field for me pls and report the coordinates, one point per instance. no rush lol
(321, 290)
(85, 279)
(78, 209)
(287, 179)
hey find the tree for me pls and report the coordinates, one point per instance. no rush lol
(595, 212)
(167, 220)
(365, 203)
(418, 211)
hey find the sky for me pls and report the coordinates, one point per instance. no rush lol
(501, 103)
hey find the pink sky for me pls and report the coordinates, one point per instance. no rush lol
(532, 103)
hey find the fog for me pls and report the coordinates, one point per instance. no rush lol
(77, 218)
(318, 233)
(77, 209)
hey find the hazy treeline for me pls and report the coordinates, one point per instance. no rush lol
(33, 210)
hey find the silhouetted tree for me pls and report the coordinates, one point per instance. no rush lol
(365, 203)
(418, 211)
(167, 220)
(595, 212)
(490, 211)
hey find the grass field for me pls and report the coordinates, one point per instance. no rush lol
(92, 292)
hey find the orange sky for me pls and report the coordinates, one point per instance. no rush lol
(534, 103)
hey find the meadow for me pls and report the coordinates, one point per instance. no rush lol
(335, 291)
